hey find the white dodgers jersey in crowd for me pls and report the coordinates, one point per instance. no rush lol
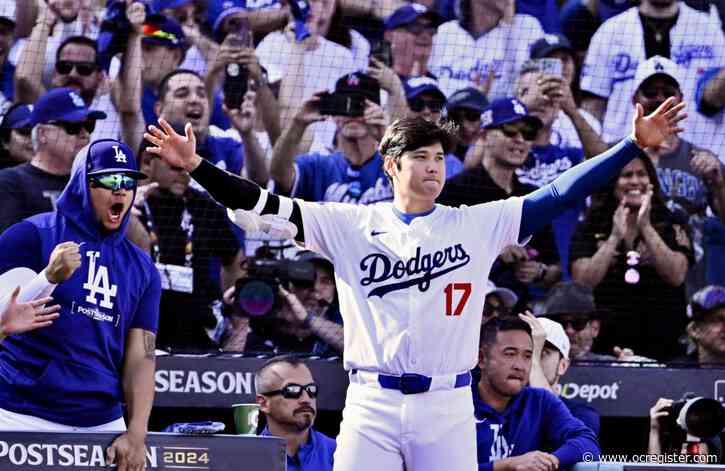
(459, 60)
(411, 296)
(696, 44)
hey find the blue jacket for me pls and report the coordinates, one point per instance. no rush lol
(315, 455)
(70, 372)
(534, 420)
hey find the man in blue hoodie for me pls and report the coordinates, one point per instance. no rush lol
(514, 422)
(75, 374)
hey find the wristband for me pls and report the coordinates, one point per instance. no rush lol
(307, 323)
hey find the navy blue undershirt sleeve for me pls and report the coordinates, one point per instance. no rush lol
(573, 186)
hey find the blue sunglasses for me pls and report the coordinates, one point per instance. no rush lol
(114, 182)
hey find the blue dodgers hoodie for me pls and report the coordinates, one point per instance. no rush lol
(533, 420)
(70, 372)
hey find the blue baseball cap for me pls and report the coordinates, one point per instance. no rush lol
(550, 43)
(507, 110)
(106, 156)
(164, 31)
(62, 104)
(219, 10)
(469, 98)
(17, 117)
(407, 14)
(419, 85)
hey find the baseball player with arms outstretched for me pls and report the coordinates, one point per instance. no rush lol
(410, 276)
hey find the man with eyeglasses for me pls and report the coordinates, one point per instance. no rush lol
(507, 133)
(427, 101)
(62, 124)
(76, 374)
(75, 65)
(410, 30)
(287, 395)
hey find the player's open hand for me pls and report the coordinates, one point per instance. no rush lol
(175, 149)
(24, 317)
(128, 452)
(652, 130)
(64, 261)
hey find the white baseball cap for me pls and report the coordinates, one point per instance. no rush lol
(555, 335)
(656, 65)
(507, 296)
(7, 10)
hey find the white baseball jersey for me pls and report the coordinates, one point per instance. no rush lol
(617, 48)
(411, 296)
(458, 59)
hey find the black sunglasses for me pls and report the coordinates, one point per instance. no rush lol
(419, 28)
(74, 127)
(511, 130)
(576, 324)
(418, 104)
(294, 391)
(24, 131)
(466, 114)
(83, 68)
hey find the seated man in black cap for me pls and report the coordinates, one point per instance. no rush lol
(707, 327)
(354, 172)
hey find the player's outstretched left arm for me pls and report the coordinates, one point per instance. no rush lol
(228, 189)
(580, 181)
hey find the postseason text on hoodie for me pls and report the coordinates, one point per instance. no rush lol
(70, 372)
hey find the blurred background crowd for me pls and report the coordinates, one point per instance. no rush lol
(295, 95)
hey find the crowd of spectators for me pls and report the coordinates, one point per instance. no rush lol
(535, 87)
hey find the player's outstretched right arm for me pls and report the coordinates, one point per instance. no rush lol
(228, 189)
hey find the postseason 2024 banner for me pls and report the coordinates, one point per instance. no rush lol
(50, 451)
(616, 390)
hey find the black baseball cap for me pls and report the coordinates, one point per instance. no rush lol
(468, 98)
(358, 83)
(550, 43)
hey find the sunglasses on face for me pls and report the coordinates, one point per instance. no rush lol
(419, 28)
(73, 128)
(418, 104)
(24, 131)
(467, 115)
(114, 182)
(576, 324)
(512, 130)
(84, 69)
(294, 391)
(656, 92)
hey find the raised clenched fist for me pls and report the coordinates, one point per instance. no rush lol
(64, 261)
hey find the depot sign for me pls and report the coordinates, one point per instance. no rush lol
(589, 392)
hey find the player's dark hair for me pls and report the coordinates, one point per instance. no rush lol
(164, 85)
(82, 40)
(259, 377)
(491, 328)
(413, 133)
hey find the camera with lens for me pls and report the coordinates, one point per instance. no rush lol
(258, 294)
(341, 104)
(693, 420)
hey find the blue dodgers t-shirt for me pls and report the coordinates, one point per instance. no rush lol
(534, 419)
(70, 372)
(315, 455)
(544, 165)
(150, 97)
(224, 152)
(332, 178)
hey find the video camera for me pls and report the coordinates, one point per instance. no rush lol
(258, 294)
(699, 417)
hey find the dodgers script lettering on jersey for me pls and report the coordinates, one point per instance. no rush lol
(380, 268)
(411, 294)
